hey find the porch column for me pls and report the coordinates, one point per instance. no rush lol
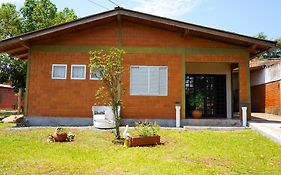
(244, 87)
(25, 110)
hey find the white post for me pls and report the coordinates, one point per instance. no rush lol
(178, 116)
(244, 116)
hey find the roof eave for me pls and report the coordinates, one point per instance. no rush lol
(23, 39)
(38, 33)
(197, 28)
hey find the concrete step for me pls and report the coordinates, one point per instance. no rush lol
(212, 122)
(214, 128)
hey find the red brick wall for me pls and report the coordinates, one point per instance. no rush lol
(74, 98)
(142, 35)
(7, 98)
(98, 35)
(266, 98)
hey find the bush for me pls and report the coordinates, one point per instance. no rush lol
(147, 128)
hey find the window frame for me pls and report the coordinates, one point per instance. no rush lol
(93, 78)
(78, 65)
(65, 72)
(149, 94)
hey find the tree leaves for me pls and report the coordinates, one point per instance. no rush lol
(13, 70)
(10, 24)
(34, 15)
(39, 14)
(274, 53)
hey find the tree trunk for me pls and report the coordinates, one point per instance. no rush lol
(19, 100)
(117, 131)
(117, 121)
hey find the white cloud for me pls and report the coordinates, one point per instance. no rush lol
(166, 8)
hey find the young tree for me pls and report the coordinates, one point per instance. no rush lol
(107, 64)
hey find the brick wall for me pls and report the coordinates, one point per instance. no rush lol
(7, 98)
(74, 98)
(266, 98)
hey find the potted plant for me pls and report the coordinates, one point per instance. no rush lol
(197, 101)
(147, 134)
(60, 135)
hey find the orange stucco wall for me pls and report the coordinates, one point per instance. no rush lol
(74, 98)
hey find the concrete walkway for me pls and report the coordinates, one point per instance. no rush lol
(268, 125)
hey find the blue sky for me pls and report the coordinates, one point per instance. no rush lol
(247, 17)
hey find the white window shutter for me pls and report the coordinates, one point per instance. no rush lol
(163, 85)
(154, 81)
(149, 80)
(139, 80)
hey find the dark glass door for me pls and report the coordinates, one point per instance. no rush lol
(213, 89)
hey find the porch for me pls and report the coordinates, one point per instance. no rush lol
(223, 92)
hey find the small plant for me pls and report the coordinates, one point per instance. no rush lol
(197, 101)
(50, 139)
(61, 135)
(70, 137)
(146, 128)
(60, 131)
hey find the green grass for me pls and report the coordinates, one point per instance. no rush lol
(184, 152)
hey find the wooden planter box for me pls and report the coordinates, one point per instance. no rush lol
(144, 141)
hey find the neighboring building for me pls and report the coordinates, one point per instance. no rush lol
(265, 86)
(166, 61)
(8, 99)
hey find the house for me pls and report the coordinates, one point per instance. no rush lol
(8, 99)
(166, 61)
(265, 86)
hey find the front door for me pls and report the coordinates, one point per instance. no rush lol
(213, 90)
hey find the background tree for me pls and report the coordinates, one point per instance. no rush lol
(274, 53)
(108, 66)
(10, 23)
(66, 15)
(13, 71)
(34, 15)
(38, 14)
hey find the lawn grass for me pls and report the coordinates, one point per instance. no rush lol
(184, 152)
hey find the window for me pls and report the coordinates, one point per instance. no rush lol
(149, 80)
(59, 71)
(78, 72)
(95, 75)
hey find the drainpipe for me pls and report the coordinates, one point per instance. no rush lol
(178, 115)
(244, 116)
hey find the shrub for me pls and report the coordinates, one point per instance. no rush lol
(145, 128)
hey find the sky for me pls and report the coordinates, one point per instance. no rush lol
(248, 17)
